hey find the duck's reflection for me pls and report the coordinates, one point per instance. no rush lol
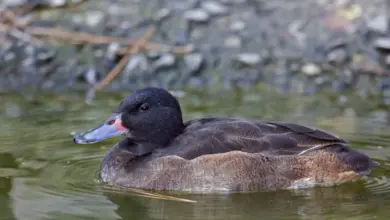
(334, 202)
(6, 162)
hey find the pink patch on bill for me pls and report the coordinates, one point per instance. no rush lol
(118, 125)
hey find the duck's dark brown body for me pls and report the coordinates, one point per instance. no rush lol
(217, 154)
(225, 154)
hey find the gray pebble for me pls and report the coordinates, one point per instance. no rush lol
(193, 62)
(56, 3)
(382, 43)
(250, 59)
(233, 1)
(113, 9)
(153, 55)
(214, 8)
(13, 3)
(311, 69)
(162, 14)
(378, 24)
(233, 42)
(165, 61)
(90, 75)
(112, 50)
(136, 63)
(45, 54)
(338, 56)
(93, 18)
(197, 15)
(180, 37)
(237, 26)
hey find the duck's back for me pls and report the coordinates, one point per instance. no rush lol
(218, 135)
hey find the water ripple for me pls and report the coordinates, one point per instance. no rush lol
(379, 185)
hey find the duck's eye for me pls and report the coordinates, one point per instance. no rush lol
(144, 107)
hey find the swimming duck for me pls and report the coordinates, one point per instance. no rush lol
(161, 152)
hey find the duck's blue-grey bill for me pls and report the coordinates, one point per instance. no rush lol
(109, 129)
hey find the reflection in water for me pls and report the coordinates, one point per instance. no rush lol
(43, 175)
(341, 202)
(7, 164)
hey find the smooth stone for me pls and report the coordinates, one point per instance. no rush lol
(113, 9)
(197, 34)
(13, 3)
(382, 43)
(162, 14)
(237, 26)
(249, 58)
(43, 54)
(138, 62)
(180, 37)
(311, 69)
(214, 8)
(93, 18)
(193, 62)
(112, 50)
(9, 57)
(165, 61)
(378, 24)
(233, 1)
(56, 3)
(197, 15)
(153, 55)
(338, 56)
(233, 42)
(90, 75)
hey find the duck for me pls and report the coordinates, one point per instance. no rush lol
(159, 151)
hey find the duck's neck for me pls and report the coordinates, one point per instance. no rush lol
(137, 148)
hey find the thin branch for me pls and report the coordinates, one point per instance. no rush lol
(134, 48)
(19, 34)
(160, 196)
(11, 17)
(83, 37)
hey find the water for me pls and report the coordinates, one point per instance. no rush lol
(44, 175)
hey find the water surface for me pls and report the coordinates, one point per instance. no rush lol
(44, 175)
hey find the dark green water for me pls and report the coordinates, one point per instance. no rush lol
(44, 175)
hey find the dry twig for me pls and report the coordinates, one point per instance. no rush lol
(9, 23)
(133, 48)
(19, 34)
(83, 37)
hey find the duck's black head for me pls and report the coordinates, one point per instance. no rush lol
(150, 115)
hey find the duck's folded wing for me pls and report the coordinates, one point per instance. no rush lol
(223, 135)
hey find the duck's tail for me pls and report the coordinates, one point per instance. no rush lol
(358, 161)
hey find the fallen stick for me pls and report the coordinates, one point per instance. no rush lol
(9, 29)
(11, 17)
(83, 37)
(134, 48)
(158, 47)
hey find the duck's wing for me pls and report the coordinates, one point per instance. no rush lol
(219, 135)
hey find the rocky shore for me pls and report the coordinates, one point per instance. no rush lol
(298, 46)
